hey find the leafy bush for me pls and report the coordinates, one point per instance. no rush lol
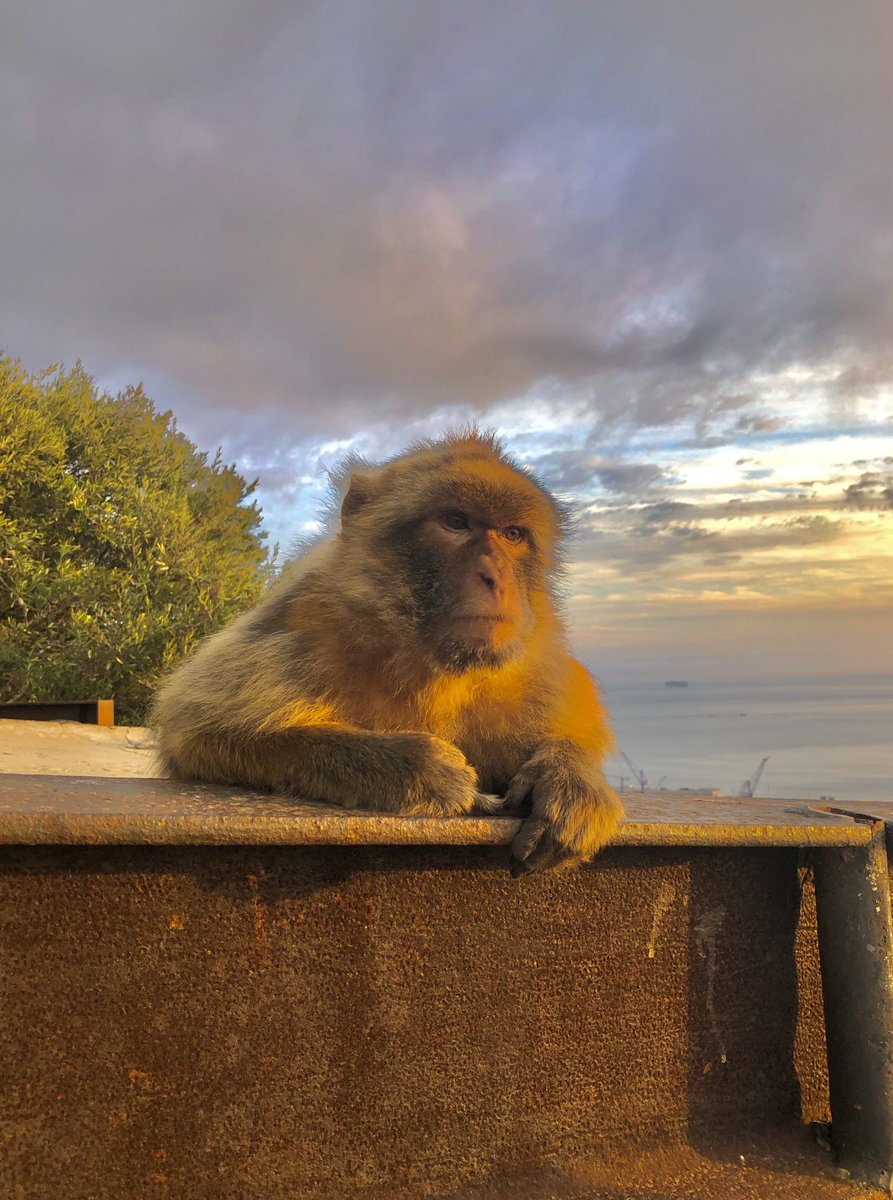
(121, 545)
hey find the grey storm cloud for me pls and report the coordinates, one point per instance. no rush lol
(641, 545)
(872, 490)
(629, 478)
(339, 213)
(647, 541)
(667, 513)
(575, 471)
(784, 508)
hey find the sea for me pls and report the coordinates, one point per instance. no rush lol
(823, 739)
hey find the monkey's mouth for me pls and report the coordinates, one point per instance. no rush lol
(494, 629)
(493, 618)
(486, 633)
(460, 652)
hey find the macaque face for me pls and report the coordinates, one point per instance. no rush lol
(473, 569)
(483, 611)
(462, 546)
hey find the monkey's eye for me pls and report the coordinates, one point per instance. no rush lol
(513, 534)
(455, 520)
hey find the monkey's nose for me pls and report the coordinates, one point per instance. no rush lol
(488, 578)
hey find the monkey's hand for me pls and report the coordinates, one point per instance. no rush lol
(439, 780)
(574, 811)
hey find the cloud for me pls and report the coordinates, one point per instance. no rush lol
(702, 638)
(340, 215)
(626, 478)
(872, 490)
(754, 539)
(756, 423)
(650, 547)
(652, 244)
(666, 513)
(575, 471)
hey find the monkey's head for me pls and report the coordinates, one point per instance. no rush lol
(454, 548)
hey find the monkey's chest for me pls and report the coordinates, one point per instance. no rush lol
(496, 750)
(496, 764)
(497, 737)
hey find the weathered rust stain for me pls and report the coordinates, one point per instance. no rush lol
(141, 1081)
(261, 933)
(666, 894)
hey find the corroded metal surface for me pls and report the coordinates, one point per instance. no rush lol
(59, 810)
(393, 1022)
(880, 810)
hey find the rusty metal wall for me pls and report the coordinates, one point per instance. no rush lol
(320, 1022)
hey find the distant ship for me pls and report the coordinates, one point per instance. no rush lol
(676, 683)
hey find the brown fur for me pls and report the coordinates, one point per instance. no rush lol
(413, 658)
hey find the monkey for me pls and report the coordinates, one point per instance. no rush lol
(415, 661)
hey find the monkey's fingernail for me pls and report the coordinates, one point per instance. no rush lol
(519, 869)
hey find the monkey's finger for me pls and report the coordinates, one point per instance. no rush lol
(528, 836)
(519, 797)
(518, 792)
(545, 855)
(526, 841)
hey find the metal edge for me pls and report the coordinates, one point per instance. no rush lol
(45, 828)
(856, 953)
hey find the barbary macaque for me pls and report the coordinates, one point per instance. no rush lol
(413, 662)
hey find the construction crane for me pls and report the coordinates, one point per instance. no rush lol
(749, 787)
(638, 775)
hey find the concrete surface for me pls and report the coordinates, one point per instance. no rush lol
(70, 748)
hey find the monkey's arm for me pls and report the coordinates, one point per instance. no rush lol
(411, 773)
(574, 810)
(243, 711)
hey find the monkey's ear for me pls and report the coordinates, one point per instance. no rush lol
(360, 489)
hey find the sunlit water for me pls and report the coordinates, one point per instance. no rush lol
(829, 738)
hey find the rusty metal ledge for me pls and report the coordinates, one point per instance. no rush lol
(864, 810)
(86, 810)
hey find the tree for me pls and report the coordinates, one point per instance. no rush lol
(121, 545)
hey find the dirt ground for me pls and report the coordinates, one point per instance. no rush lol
(69, 748)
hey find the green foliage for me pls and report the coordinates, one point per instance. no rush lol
(121, 545)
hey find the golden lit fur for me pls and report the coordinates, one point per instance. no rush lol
(411, 662)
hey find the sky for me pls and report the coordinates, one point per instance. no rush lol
(651, 244)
